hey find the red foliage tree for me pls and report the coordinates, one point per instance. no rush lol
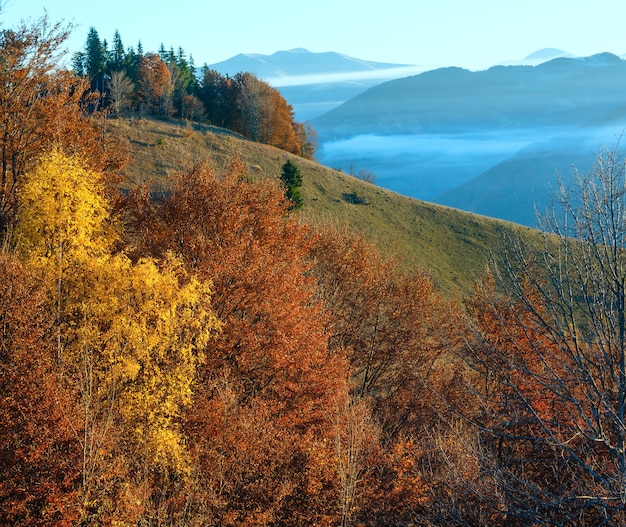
(260, 425)
(39, 453)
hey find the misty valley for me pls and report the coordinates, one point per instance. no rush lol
(509, 175)
(425, 166)
(493, 142)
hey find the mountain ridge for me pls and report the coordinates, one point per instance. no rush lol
(482, 118)
(437, 99)
(314, 83)
(298, 61)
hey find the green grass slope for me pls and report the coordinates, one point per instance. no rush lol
(453, 246)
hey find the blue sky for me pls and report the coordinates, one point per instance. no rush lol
(472, 34)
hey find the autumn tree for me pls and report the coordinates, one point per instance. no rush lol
(120, 88)
(262, 407)
(254, 104)
(393, 328)
(265, 115)
(307, 137)
(283, 131)
(381, 316)
(551, 349)
(128, 337)
(39, 456)
(41, 104)
(155, 83)
(356, 439)
(255, 109)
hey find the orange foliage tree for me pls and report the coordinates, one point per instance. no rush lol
(550, 348)
(523, 373)
(393, 328)
(40, 105)
(260, 427)
(255, 109)
(39, 455)
(155, 83)
(266, 116)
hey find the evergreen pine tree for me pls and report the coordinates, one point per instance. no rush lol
(291, 178)
(95, 57)
(118, 54)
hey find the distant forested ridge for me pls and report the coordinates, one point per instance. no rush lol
(166, 83)
(563, 92)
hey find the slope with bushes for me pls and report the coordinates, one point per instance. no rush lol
(453, 246)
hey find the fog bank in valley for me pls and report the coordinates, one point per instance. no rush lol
(490, 142)
(426, 165)
(510, 175)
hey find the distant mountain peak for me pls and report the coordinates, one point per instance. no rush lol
(604, 58)
(539, 57)
(248, 56)
(298, 62)
(547, 54)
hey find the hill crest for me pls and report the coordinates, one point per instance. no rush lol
(453, 246)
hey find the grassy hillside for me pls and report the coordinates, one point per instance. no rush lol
(452, 245)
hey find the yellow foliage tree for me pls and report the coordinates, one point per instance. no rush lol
(129, 335)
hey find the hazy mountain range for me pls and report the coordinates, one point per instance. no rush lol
(314, 83)
(561, 92)
(489, 141)
(297, 62)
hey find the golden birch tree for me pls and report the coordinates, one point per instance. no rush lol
(128, 335)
